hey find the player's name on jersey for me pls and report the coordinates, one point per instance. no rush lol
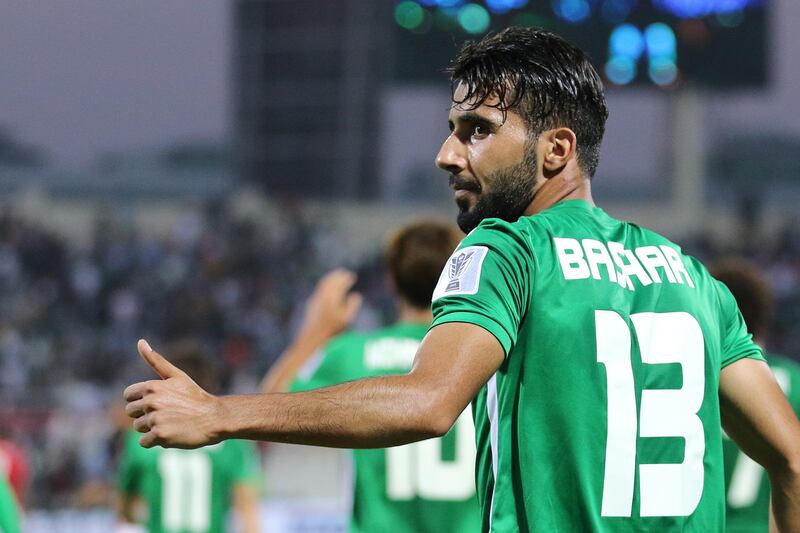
(612, 262)
(390, 353)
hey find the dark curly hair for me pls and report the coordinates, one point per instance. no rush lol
(541, 76)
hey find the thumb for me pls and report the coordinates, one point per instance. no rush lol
(162, 367)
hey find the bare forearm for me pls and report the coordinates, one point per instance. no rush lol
(370, 413)
(453, 362)
(785, 502)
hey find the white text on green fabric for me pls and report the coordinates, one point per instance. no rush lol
(611, 261)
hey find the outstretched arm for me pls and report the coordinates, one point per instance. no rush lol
(329, 311)
(453, 362)
(757, 416)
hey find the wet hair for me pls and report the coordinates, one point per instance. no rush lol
(190, 356)
(541, 76)
(750, 289)
(416, 254)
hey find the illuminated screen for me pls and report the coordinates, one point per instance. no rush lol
(665, 43)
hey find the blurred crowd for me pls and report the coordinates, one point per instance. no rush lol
(778, 258)
(70, 317)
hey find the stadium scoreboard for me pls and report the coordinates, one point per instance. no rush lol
(720, 44)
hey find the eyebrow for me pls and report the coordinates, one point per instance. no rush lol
(474, 118)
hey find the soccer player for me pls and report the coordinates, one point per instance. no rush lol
(422, 487)
(189, 491)
(9, 512)
(747, 486)
(599, 357)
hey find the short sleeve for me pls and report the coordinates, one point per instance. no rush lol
(486, 282)
(129, 473)
(737, 342)
(326, 367)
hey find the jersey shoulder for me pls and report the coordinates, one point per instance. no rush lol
(392, 349)
(496, 232)
(527, 233)
(335, 362)
(353, 343)
(696, 269)
(344, 342)
(359, 354)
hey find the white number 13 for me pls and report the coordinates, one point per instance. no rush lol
(665, 489)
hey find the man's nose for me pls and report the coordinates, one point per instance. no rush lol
(451, 156)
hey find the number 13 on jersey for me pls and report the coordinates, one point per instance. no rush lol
(665, 489)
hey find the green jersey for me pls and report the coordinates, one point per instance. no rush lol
(746, 484)
(604, 416)
(427, 486)
(186, 491)
(9, 514)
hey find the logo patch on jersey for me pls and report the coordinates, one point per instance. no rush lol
(462, 274)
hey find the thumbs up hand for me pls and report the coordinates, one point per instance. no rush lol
(174, 412)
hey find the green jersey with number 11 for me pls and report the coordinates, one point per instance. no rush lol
(426, 486)
(186, 491)
(604, 416)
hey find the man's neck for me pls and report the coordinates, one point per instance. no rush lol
(563, 186)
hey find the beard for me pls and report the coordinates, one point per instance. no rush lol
(510, 195)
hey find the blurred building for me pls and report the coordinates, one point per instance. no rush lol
(308, 75)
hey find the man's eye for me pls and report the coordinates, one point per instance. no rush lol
(480, 131)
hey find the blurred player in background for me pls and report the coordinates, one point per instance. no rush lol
(601, 356)
(747, 486)
(190, 491)
(9, 512)
(427, 486)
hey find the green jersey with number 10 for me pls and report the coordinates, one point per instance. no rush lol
(427, 486)
(604, 416)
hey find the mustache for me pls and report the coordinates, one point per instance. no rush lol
(457, 182)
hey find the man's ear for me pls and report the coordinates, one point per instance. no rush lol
(560, 146)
